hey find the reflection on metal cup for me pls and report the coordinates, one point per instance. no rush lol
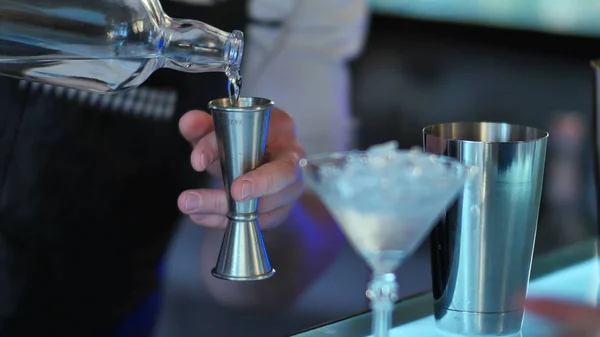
(481, 251)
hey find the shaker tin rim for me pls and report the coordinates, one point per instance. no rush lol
(543, 133)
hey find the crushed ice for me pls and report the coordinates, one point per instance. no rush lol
(384, 175)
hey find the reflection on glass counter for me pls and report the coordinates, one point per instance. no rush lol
(571, 273)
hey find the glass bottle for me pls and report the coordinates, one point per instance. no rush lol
(108, 46)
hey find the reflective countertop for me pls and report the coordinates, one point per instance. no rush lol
(572, 272)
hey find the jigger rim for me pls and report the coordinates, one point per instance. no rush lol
(595, 63)
(244, 103)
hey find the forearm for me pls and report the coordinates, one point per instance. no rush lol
(300, 250)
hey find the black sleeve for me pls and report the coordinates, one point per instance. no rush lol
(88, 195)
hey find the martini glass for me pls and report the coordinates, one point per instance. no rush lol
(385, 201)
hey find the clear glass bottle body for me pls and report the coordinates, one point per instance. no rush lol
(107, 46)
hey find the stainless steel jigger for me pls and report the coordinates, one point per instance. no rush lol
(241, 131)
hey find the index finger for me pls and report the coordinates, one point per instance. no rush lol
(195, 124)
(267, 179)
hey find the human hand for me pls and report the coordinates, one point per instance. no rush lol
(278, 182)
(576, 319)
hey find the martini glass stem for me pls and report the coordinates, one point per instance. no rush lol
(383, 293)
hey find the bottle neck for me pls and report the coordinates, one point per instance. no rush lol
(195, 47)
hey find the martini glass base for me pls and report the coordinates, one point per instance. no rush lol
(235, 278)
(383, 293)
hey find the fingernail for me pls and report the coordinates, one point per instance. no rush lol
(203, 161)
(246, 189)
(191, 202)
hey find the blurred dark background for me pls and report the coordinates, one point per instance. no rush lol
(416, 72)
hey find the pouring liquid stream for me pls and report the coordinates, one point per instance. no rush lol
(234, 85)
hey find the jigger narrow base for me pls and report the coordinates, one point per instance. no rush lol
(243, 256)
(238, 279)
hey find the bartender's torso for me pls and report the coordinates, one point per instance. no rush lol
(88, 190)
